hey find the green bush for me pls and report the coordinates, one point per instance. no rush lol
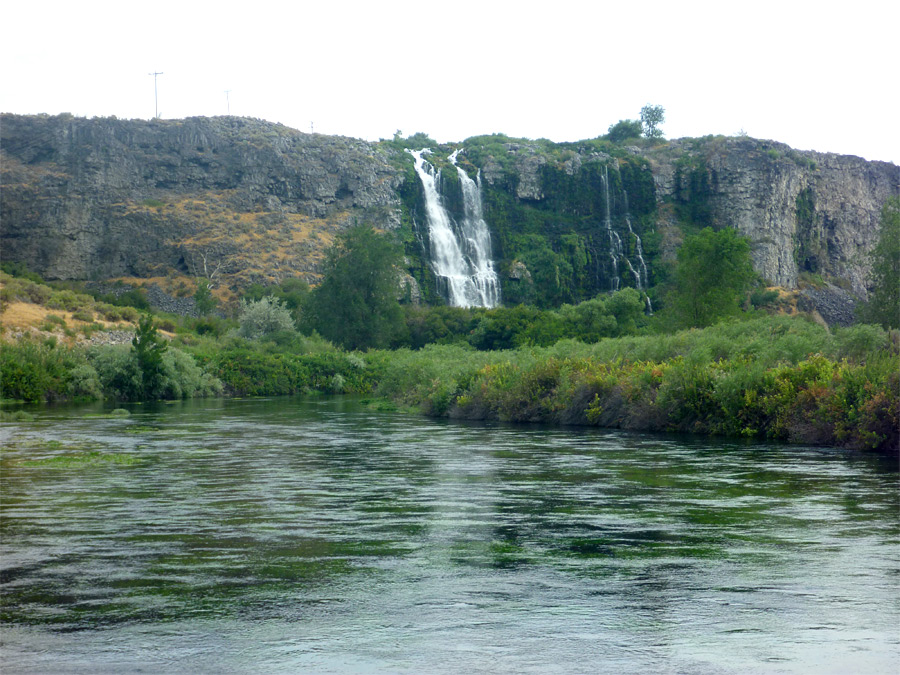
(84, 383)
(69, 300)
(36, 371)
(120, 376)
(20, 269)
(264, 317)
(85, 315)
(118, 372)
(37, 293)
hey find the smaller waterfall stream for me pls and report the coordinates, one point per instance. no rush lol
(615, 242)
(617, 250)
(639, 249)
(460, 251)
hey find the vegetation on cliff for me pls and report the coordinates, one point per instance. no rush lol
(883, 306)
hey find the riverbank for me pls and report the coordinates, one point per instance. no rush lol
(772, 378)
(776, 379)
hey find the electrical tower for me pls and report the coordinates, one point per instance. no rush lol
(155, 95)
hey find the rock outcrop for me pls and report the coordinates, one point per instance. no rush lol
(105, 197)
(255, 201)
(802, 211)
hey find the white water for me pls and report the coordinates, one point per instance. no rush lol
(639, 250)
(615, 242)
(617, 251)
(460, 251)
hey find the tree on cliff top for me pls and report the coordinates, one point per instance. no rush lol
(623, 130)
(356, 304)
(652, 116)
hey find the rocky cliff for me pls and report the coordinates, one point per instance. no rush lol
(103, 198)
(802, 211)
(249, 200)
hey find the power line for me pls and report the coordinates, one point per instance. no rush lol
(155, 94)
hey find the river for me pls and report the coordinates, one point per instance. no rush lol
(289, 535)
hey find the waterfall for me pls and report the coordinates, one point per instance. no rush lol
(615, 242)
(639, 250)
(616, 250)
(460, 251)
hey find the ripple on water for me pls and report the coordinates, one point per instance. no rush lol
(282, 536)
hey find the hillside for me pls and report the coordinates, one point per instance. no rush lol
(242, 201)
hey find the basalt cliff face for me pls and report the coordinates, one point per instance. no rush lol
(103, 198)
(247, 200)
(802, 211)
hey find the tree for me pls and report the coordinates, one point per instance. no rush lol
(356, 304)
(884, 299)
(652, 116)
(148, 347)
(713, 274)
(623, 130)
(204, 300)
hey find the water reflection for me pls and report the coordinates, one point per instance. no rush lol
(282, 535)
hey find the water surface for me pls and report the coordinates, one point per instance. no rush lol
(320, 536)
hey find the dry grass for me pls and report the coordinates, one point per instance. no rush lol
(25, 317)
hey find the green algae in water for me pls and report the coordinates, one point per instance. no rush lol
(141, 429)
(118, 413)
(18, 416)
(86, 458)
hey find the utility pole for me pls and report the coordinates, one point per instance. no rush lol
(227, 100)
(311, 127)
(155, 94)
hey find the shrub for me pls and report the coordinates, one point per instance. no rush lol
(37, 294)
(36, 371)
(120, 376)
(118, 371)
(84, 383)
(264, 317)
(20, 269)
(83, 315)
(858, 342)
(69, 300)
(183, 378)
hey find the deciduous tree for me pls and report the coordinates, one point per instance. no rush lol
(652, 116)
(713, 275)
(356, 304)
(623, 130)
(884, 297)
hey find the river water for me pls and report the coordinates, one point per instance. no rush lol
(286, 536)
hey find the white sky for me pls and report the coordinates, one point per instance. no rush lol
(816, 75)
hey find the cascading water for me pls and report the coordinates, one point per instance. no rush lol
(639, 250)
(616, 250)
(615, 242)
(460, 251)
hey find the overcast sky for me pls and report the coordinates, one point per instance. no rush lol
(815, 75)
